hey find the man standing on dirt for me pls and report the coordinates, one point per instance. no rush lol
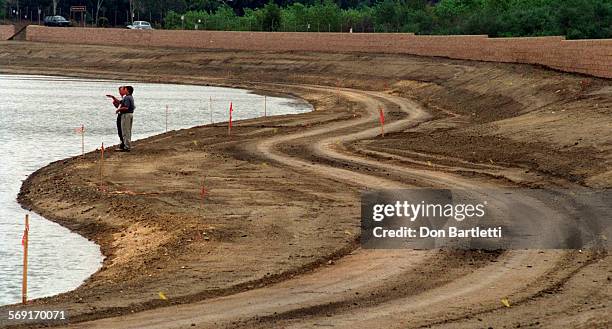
(126, 111)
(117, 103)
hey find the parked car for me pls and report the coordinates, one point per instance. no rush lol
(140, 25)
(56, 21)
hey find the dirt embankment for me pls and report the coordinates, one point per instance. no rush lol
(556, 124)
(272, 209)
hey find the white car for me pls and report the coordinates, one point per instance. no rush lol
(140, 25)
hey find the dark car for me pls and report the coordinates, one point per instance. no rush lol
(56, 21)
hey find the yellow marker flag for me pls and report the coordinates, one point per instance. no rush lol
(162, 296)
(506, 302)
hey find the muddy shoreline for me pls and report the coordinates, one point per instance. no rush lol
(104, 234)
(265, 222)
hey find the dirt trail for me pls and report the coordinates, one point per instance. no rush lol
(274, 246)
(363, 270)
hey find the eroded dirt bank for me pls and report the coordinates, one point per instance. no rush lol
(282, 199)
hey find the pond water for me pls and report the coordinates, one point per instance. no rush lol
(38, 120)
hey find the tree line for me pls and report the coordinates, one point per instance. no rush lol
(576, 19)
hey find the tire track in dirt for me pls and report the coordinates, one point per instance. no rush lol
(473, 284)
(363, 269)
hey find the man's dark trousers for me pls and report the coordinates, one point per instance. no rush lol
(119, 130)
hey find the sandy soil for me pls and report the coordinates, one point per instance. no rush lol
(273, 244)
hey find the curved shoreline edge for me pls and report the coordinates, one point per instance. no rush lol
(105, 241)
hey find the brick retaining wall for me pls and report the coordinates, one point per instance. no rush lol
(6, 31)
(592, 57)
